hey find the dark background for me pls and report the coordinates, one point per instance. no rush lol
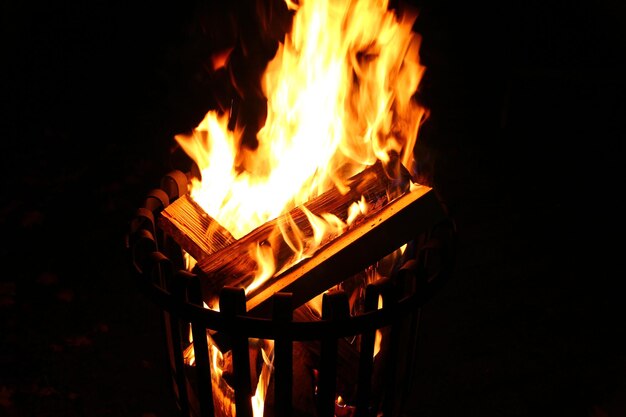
(525, 146)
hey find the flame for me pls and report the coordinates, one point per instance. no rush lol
(189, 261)
(315, 304)
(218, 364)
(356, 209)
(339, 97)
(258, 400)
(189, 355)
(378, 339)
(266, 266)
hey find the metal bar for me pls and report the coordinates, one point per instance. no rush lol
(178, 293)
(232, 303)
(364, 385)
(201, 351)
(335, 307)
(410, 278)
(390, 300)
(283, 358)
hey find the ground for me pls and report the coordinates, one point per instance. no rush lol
(524, 140)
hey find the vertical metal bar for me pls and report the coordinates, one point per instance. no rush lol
(178, 293)
(366, 357)
(201, 351)
(156, 269)
(173, 184)
(233, 303)
(410, 279)
(335, 307)
(390, 300)
(283, 357)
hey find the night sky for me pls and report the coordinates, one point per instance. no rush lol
(524, 142)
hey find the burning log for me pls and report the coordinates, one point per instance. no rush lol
(235, 266)
(380, 234)
(194, 230)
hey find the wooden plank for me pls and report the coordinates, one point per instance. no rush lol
(193, 229)
(394, 225)
(235, 266)
(366, 359)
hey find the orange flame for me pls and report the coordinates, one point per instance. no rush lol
(339, 97)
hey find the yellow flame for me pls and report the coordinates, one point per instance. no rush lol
(315, 304)
(339, 97)
(189, 354)
(258, 400)
(292, 235)
(188, 261)
(379, 335)
(356, 209)
(402, 248)
(323, 227)
(217, 360)
(265, 264)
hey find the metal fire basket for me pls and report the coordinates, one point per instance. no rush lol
(159, 266)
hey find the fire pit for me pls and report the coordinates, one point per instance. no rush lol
(291, 268)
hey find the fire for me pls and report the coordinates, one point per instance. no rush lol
(339, 97)
(218, 362)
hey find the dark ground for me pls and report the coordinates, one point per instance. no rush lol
(526, 139)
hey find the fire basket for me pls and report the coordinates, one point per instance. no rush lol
(291, 266)
(354, 358)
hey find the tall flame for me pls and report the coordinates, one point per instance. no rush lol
(339, 96)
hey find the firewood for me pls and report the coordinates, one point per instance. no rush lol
(235, 266)
(193, 229)
(380, 234)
